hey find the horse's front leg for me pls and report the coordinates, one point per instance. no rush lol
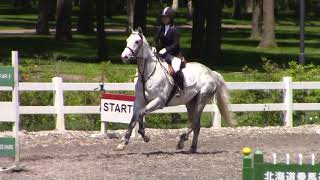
(125, 139)
(138, 116)
(155, 104)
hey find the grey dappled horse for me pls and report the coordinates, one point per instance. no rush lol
(154, 86)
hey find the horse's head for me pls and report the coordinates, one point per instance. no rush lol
(134, 44)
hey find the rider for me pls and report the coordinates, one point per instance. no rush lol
(166, 43)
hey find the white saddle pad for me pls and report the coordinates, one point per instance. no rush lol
(189, 79)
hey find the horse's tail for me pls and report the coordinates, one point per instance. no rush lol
(222, 99)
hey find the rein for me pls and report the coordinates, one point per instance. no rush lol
(142, 72)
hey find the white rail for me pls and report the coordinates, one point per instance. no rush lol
(58, 108)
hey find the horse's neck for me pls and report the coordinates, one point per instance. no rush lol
(147, 62)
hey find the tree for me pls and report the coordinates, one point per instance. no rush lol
(213, 32)
(43, 19)
(85, 24)
(22, 3)
(268, 34)
(249, 6)
(206, 40)
(109, 8)
(63, 24)
(101, 34)
(175, 5)
(190, 9)
(52, 10)
(198, 30)
(256, 20)
(130, 12)
(140, 14)
(237, 9)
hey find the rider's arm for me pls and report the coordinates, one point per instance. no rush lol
(156, 37)
(176, 41)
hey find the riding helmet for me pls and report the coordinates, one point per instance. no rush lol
(169, 12)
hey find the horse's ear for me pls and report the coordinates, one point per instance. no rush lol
(140, 30)
(131, 30)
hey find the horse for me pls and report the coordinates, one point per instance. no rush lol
(154, 86)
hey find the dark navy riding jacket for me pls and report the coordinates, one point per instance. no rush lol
(170, 41)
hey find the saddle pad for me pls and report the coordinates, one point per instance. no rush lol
(189, 79)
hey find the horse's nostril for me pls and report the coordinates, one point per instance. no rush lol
(126, 57)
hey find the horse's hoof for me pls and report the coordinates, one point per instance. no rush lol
(120, 147)
(146, 139)
(192, 151)
(180, 145)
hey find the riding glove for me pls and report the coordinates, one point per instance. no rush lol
(162, 51)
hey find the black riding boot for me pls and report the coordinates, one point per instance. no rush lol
(179, 80)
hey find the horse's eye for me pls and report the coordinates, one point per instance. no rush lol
(137, 42)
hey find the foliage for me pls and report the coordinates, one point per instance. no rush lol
(272, 72)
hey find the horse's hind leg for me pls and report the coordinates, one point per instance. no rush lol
(142, 132)
(199, 106)
(184, 136)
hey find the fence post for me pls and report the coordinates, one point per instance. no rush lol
(216, 117)
(15, 99)
(58, 103)
(104, 127)
(288, 120)
(247, 170)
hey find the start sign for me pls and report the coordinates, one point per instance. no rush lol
(6, 76)
(116, 108)
(7, 147)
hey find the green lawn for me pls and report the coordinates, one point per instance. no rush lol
(238, 50)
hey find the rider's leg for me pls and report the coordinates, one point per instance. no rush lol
(178, 75)
(176, 63)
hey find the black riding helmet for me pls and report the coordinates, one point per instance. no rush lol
(169, 12)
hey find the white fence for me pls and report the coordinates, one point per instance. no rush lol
(58, 108)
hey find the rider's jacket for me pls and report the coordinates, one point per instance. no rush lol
(170, 40)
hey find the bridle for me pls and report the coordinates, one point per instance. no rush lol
(135, 53)
(134, 56)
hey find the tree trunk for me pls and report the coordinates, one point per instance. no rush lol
(213, 34)
(76, 3)
(175, 5)
(101, 34)
(190, 8)
(198, 30)
(63, 24)
(249, 5)
(43, 19)
(85, 24)
(256, 20)
(22, 3)
(140, 14)
(52, 10)
(130, 12)
(237, 9)
(268, 35)
(108, 9)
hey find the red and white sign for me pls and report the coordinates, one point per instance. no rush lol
(116, 108)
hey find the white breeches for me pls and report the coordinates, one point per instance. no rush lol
(175, 62)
